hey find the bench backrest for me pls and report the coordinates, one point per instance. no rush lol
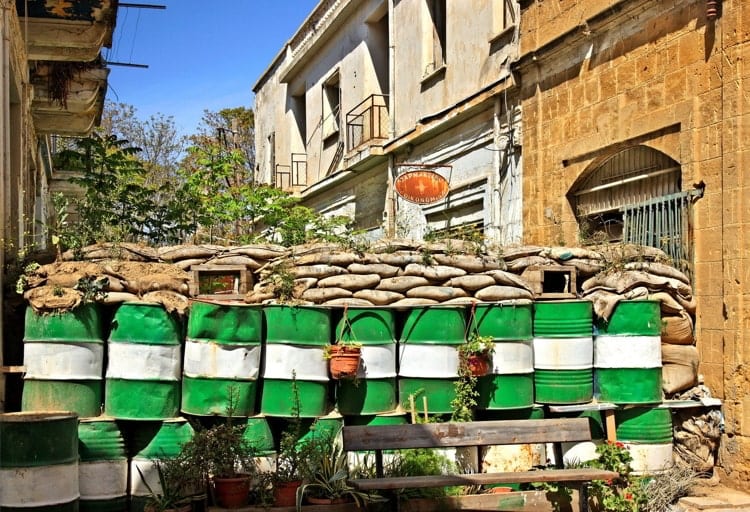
(473, 433)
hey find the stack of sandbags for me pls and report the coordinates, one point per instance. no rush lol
(64, 285)
(650, 278)
(697, 436)
(396, 273)
(252, 257)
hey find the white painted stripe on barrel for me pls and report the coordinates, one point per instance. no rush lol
(428, 361)
(63, 361)
(378, 362)
(39, 486)
(627, 352)
(139, 361)
(564, 353)
(513, 357)
(150, 474)
(307, 362)
(650, 458)
(221, 361)
(103, 480)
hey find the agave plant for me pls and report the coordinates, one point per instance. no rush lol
(327, 478)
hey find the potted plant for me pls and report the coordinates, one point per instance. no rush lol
(227, 459)
(475, 356)
(326, 482)
(171, 494)
(343, 359)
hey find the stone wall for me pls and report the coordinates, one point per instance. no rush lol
(598, 76)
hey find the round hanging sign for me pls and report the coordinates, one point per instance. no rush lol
(421, 187)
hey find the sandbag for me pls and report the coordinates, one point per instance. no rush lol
(568, 253)
(319, 295)
(401, 284)
(378, 297)
(410, 302)
(183, 252)
(677, 329)
(341, 259)
(438, 273)
(348, 302)
(509, 279)
(53, 298)
(235, 259)
(381, 269)
(517, 266)
(350, 281)
(496, 292)
(438, 293)
(260, 251)
(173, 302)
(471, 282)
(317, 271)
(660, 269)
(398, 258)
(186, 264)
(680, 367)
(470, 263)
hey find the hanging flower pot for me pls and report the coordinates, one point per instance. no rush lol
(478, 364)
(343, 360)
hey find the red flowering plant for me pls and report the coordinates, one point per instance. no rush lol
(623, 494)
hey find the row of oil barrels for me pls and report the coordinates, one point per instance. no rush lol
(54, 461)
(545, 353)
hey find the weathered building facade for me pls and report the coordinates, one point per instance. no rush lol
(636, 116)
(52, 81)
(366, 91)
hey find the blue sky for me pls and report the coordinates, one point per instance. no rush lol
(201, 55)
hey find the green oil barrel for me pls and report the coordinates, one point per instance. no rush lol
(222, 356)
(145, 362)
(103, 466)
(563, 352)
(39, 461)
(627, 354)
(510, 382)
(296, 371)
(428, 356)
(647, 434)
(374, 389)
(150, 441)
(64, 360)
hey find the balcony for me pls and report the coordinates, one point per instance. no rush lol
(367, 122)
(289, 177)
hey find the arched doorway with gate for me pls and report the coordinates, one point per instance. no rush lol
(635, 196)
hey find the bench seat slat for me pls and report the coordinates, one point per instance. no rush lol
(547, 475)
(475, 433)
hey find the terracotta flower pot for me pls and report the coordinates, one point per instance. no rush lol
(285, 493)
(344, 361)
(478, 364)
(312, 500)
(232, 492)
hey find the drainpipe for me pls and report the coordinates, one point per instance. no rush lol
(390, 206)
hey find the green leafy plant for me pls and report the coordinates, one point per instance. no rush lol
(23, 279)
(93, 289)
(422, 461)
(476, 351)
(172, 493)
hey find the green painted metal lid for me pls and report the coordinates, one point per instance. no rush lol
(503, 321)
(563, 319)
(368, 326)
(434, 325)
(298, 325)
(33, 439)
(144, 322)
(225, 322)
(82, 324)
(100, 439)
(633, 318)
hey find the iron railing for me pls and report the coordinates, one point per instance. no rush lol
(367, 121)
(293, 175)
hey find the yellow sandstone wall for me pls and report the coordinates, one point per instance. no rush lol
(597, 76)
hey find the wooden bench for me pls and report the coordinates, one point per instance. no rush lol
(475, 433)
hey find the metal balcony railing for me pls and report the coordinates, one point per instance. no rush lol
(367, 121)
(293, 175)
